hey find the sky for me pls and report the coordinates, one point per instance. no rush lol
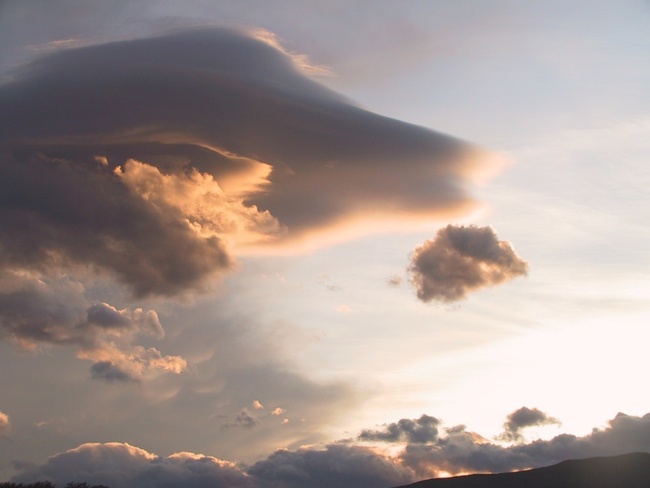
(338, 243)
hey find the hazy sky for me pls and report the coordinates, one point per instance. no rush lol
(305, 244)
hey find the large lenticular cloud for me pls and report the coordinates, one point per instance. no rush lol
(150, 159)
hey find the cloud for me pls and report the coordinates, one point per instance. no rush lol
(130, 157)
(522, 418)
(424, 429)
(423, 453)
(461, 259)
(109, 372)
(120, 465)
(244, 419)
(5, 425)
(462, 451)
(335, 465)
(39, 310)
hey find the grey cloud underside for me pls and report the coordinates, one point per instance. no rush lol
(215, 100)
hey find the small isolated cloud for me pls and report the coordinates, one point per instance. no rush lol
(257, 405)
(522, 418)
(395, 280)
(5, 425)
(278, 411)
(462, 259)
(424, 429)
(244, 419)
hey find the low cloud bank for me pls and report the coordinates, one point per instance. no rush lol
(426, 449)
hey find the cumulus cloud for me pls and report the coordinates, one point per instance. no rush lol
(451, 450)
(461, 259)
(147, 159)
(424, 429)
(522, 418)
(461, 451)
(5, 425)
(336, 465)
(37, 310)
(121, 465)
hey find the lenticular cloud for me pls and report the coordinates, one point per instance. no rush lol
(151, 159)
(151, 162)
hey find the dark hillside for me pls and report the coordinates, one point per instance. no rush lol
(624, 471)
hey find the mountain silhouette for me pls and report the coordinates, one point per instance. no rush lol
(624, 471)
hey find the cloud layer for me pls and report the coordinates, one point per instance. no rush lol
(148, 158)
(426, 449)
(462, 259)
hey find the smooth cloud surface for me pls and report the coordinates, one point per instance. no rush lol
(462, 259)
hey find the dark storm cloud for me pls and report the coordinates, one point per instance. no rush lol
(94, 141)
(424, 429)
(522, 418)
(461, 259)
